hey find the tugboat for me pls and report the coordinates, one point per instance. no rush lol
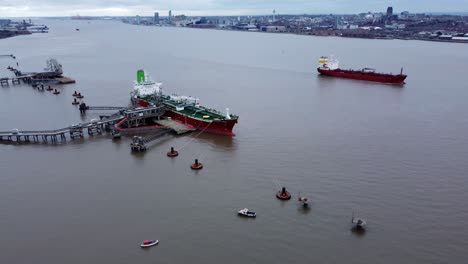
(184, 109)
(245, 212)
(329, 66)
(149, 243)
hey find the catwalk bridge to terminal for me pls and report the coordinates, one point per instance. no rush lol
(94, 127)
(134, 121)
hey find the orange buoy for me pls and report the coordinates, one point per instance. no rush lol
(197, 165)
(56, 91)
(172, 153)
(283, 194)
(75, 102)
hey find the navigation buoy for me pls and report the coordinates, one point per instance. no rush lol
(49, 88)
(56, 91)
(197, 165)
(75, 102)
(283, 194)
(172, 153)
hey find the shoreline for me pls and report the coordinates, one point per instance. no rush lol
(316, 34)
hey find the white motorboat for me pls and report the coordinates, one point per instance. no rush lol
(247, 213)
(149, 243)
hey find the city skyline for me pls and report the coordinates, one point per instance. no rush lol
(61, 8)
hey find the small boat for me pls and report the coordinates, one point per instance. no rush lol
(149, 243)
(304, 200)
(247, 213)
(358, 223)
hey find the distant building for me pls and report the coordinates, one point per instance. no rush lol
(138, 20)
(5, 22)
(156, 18)
(273, 28)
(389, 11)
(170, 17)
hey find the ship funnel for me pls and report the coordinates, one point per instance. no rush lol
(140, 76)
(227, 114)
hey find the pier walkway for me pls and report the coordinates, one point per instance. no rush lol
(140, 143)
(55, 135)
(132, 118)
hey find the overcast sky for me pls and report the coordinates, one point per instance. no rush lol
(34, 8)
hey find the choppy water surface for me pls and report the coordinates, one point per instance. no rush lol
(395, 155)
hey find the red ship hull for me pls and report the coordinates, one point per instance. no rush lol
(364, 76)
(221, 127)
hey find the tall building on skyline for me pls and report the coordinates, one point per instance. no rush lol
(156, 18)
(170, 16)
(138, 20)
(389, 11)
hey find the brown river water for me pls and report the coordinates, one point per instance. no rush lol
(397, 156)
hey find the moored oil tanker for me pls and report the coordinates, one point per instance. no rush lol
(329, 67)
(184, 109)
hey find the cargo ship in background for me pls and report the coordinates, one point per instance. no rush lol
(184, 109)
(330, 67)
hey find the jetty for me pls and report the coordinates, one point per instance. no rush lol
(59, 135)
(124, 121)
(8, 55)
(53, 73)
(93, 127)
(140, 143)
(167, 126)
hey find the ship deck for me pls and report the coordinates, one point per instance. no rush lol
(197, 112)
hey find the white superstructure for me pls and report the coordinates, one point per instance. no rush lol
(328, 62)
(146, 86)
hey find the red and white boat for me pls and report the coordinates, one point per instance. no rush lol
(149, 243)
(329, 67)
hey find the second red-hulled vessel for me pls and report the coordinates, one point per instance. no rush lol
(329, 66)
